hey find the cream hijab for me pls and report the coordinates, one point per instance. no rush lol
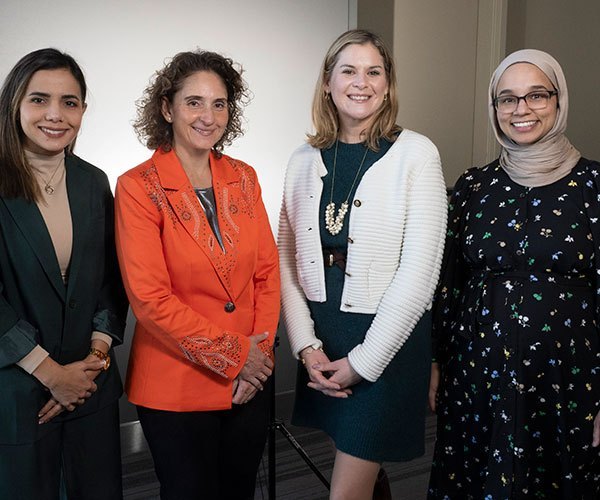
(551, 157)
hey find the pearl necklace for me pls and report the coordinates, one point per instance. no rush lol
(335, 224)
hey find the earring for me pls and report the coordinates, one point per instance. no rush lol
(385, 97)
(326, 96)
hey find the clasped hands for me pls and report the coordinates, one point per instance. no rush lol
(70, 385)
(332, 378)
(254, 374)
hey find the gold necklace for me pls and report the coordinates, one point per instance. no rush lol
(335, 224)
(47, 186)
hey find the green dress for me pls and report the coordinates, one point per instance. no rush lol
(380, 421)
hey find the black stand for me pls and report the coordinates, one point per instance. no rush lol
(278, 425)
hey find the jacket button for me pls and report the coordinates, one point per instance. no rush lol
(72, 303)
(229, 307)
(357, 203)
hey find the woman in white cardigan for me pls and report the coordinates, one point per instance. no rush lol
(361, 237)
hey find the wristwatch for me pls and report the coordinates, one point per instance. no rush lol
(102, 355)
(309, 349)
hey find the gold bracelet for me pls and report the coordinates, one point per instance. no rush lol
(102, 355)
(308, 350)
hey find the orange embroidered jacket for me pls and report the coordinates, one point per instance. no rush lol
(195, 305)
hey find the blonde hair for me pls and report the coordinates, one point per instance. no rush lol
(324, 112)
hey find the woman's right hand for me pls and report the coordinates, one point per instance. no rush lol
(434, 383)
(258, 367)
(318, 379)
(70, 384)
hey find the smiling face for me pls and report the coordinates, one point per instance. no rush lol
(358, 86)
(198, 113)
(524, 125)
(51, 111)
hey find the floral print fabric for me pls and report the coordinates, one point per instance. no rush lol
(516, 336)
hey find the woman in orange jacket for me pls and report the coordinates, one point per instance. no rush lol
(200, 267)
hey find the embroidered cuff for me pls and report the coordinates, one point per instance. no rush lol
(219, 355)
(267, 349)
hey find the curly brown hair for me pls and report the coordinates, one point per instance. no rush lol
(150, 125)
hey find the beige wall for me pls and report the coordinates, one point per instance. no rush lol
(441, 52)
(446, 52)
(377, 16)
(435, 47)
(568, 31)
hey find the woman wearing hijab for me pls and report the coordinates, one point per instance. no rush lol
(516, 377)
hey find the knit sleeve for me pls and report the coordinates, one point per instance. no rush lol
(294, 308)
(414, 282)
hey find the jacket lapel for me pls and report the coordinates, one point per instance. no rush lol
(226, 184)
(186, 206)
(33, 228)
(80, 193)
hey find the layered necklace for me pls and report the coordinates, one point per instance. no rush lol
(335, 223)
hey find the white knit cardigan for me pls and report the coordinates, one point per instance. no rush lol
(396, 235)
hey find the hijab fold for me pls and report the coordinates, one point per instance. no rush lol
(551, 157)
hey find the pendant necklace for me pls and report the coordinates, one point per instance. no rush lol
(335, 224)
(47, 186)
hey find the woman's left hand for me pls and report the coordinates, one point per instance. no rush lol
(50, 410)
(596, 437)
(339, 372)
(53, 408)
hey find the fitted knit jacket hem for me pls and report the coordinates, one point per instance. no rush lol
(396, 236)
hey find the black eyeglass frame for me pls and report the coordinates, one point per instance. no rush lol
(520, 98)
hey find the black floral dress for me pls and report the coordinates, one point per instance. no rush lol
(516, 335)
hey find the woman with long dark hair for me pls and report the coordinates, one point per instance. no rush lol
(62, 305)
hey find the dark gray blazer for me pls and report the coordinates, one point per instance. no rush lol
(37, 308)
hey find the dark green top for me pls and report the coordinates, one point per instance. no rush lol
(381, 421)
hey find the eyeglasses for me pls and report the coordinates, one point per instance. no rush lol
(538, 99)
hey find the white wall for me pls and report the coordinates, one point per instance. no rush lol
(120, 44)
